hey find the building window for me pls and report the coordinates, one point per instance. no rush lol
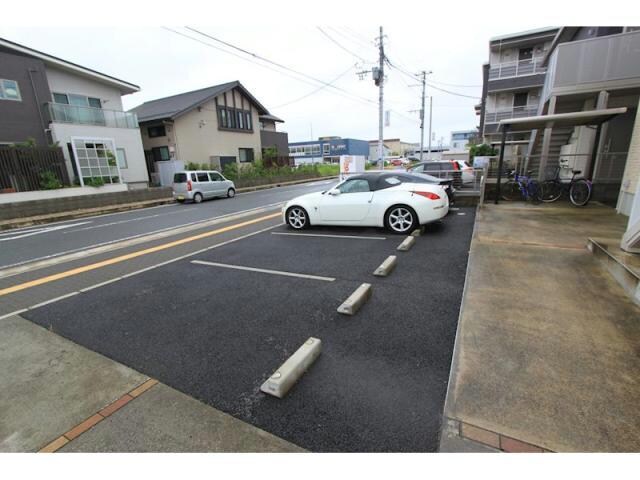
(96, 159)
(234, 119)
(326, 148)
(122, 157)
(9, 90)
(160, 154)
(77, 100)
(157, 131)
(246, 155)
(520, 99)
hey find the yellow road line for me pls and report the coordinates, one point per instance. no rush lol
(129, 256)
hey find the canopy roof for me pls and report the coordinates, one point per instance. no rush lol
(573, 119)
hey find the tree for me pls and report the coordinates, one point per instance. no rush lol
(482, 150)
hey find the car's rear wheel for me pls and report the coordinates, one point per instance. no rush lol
(401, 219)
(197, 198)
(231, 193)
(297, 218)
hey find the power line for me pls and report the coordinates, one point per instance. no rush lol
(357, 36)
(340, 45)
(264, 59)
(322, 87)
(455, 85)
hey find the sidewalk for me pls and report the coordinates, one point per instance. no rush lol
(546, 354)
(58, 396)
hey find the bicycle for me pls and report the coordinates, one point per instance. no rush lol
(578, 189)
(520, 186)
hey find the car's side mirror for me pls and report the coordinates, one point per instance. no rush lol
(334, 193)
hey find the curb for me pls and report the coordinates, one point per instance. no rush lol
(97, 417)
(69, 215)
(283, 184)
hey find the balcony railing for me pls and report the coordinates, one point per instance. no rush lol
(512, 112)
(516, 69)
(62, 113)
(594, 64)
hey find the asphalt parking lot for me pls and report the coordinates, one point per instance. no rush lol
(216, 332)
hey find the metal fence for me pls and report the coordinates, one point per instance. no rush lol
(21, 167)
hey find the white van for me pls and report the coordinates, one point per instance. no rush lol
(198, 185)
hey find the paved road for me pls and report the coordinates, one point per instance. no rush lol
(44, 241)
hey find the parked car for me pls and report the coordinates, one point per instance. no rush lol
(399, 161)
(446, 183)
(397, 201)
(199, 185)
(457, 170)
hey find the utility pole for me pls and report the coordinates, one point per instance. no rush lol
(379, 79)
(430, 116)
(424, 75)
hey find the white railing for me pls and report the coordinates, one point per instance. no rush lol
(511, 112)
(517, 68)
(62, 113)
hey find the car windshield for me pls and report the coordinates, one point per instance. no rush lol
(180, 178)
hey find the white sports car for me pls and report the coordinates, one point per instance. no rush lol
(397, 201)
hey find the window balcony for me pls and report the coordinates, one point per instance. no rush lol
(511, 112)
(63, 113)
(517, 69)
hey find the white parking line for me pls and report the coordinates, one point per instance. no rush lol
(359, 237)
(137, 272)
(102, 225)
(263, 270)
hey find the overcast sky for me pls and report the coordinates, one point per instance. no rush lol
(164, 63)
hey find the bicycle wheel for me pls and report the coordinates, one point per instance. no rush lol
(580, 192)
(550, 191)
(533, 191)
(510, 191)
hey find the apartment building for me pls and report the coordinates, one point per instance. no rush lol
(393, 147)
(48, 100)
(513, 82)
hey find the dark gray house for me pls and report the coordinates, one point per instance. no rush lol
(23, 89)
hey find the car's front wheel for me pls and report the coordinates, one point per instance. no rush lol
(401, 219)
(297, 218)
(231, 193)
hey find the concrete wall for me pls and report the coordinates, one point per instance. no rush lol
(631, 178)
(27, 209)
(127, 138)
(199, 138)
(20, 120)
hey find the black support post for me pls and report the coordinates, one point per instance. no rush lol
(501, 161)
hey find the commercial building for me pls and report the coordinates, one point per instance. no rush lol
(393, 147)
(47, 100)
(327, 149)
(460, 139)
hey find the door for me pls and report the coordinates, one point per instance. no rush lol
(218, 185)
(350, 203)
(204, 185)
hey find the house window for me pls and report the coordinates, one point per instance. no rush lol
(234, 119)
(122, 157)
(77, 100)
(96, 159)
(157, 131)
(246, 155)
(9, 90)
(160, 154)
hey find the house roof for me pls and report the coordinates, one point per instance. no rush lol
(273, 118)
(50, 60)
(177, 105)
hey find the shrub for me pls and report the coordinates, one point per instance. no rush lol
(93, 182)
(49, 181)
(482, 150)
